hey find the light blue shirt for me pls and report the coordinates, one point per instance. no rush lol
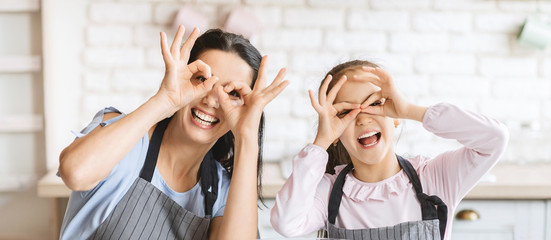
(87, 210)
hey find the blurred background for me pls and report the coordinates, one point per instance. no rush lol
(61, 61)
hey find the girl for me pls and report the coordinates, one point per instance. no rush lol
(164, 170)
(368, 192)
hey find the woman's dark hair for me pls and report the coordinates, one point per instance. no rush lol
(216, 39)
(337, 153)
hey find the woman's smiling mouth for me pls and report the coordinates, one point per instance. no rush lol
(202, 119)
(369, 139)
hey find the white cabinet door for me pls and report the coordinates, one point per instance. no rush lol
(501, 220)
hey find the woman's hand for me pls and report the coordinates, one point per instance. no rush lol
(244, 115)
(393, 103)
(176, 89)
(333, 118)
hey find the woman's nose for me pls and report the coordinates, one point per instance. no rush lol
(211, 99)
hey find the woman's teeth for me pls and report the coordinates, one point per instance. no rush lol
(204, 119)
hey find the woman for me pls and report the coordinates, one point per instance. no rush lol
(132, 179)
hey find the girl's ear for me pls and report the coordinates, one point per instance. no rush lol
(396, 122)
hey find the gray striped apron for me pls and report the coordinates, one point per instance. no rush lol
(145, 212)
(433, 209)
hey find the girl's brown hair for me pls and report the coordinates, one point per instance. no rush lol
(337, 153)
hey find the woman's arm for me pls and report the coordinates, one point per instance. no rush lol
(89, 159)
(240, 219)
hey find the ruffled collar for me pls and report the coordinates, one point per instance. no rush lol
(360, 191)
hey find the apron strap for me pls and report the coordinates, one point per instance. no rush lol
(153, 150)
(209, 182)
(336, 194)
(428, 203)
(208, 170)
(432, 207)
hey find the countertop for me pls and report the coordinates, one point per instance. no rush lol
(503, 182)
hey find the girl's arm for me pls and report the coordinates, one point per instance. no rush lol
(455, 173)
(301, 204)
(90, 159)
(240, 220)
(451, 174)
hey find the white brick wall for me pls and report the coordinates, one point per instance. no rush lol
(460, 51)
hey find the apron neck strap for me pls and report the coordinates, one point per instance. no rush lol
(336, 194)
(153, 150)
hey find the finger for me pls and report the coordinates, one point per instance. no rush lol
(177, 41)
(374, 110)
(323, 88)
(382, 74)
(313, 101)
(276, 91)
(200, 66)
(261, 78)
(333, 93)
(344, 105)
(223, 99)
(207, 85)
(164, 48)
(188, 44)
(277, 80)
(351, 116)
(240, 87)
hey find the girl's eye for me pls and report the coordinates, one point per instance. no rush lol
(376, 103)
(342, 113)
(234, 93)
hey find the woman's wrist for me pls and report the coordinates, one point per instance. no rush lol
(162, 105)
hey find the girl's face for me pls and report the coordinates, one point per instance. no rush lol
(203, 119)
(368, 138)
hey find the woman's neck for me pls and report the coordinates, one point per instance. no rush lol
(370, 173)
(180, 158)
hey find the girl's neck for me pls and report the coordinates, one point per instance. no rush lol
(371, 173)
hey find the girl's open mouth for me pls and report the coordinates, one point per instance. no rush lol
(369, 139)
(202, 119)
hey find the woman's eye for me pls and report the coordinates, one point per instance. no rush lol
(234, 93)
(201, 78)
(376, 103)
(342, 113)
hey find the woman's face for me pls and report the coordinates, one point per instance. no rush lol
(203, 119)
(368, 138)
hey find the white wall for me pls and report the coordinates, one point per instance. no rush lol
(459, 51)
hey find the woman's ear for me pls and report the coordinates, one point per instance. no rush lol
(335, 142)
(396, 122)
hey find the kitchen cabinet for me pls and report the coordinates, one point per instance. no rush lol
(502, 220)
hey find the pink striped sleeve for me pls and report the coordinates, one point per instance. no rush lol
(301, 204)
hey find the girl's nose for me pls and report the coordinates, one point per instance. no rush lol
(363, 119)
(211, 99)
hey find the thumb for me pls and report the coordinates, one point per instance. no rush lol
(223, 99)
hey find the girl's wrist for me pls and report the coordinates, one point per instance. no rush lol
(416, 112)
(323, 143)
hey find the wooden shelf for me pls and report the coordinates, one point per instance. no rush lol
(16, 183)
(20, 64)
(21, 123)
(19, 5)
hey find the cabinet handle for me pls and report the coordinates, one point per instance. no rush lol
(467, 215)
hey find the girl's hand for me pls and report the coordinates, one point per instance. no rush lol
(243, 115)
(393, 104)
(177, 88)
(333, 118)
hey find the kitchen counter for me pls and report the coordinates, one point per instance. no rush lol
(503, 182)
